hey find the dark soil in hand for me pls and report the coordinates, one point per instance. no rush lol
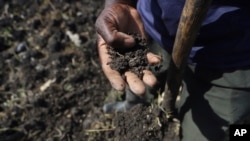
(132, 59)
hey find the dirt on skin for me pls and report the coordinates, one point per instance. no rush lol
(52, 87)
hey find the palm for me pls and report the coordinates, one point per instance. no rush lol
(112, 27)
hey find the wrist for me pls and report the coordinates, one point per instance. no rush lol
(127, 2)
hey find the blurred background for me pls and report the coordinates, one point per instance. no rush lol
(51, 85)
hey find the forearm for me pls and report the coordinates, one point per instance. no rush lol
(128, 2)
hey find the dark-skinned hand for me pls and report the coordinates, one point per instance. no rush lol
(112, 25)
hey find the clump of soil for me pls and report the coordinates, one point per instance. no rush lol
(51, 87)
(132, 59)
(142, 123)
(146, 121)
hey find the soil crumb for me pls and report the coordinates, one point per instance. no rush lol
(132, 59)
(144, 123)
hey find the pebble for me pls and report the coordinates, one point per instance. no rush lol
(40, 67)
(21, 47)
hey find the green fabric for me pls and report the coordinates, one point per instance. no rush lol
(211, 100)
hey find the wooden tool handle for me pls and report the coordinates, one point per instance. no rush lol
(192, 16)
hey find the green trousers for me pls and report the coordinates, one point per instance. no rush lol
(210, 101)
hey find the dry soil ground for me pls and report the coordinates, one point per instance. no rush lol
(51, 85)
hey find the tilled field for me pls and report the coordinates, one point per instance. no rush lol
(51, 85)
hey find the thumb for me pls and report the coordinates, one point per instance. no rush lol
(118, 39)
(122, 39)
(112, 36)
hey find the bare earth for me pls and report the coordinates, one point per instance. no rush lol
(51, 85)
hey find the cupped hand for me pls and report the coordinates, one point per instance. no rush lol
(112, 25)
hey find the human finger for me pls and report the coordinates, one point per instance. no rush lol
(149, 78)
(113, 76)
(153, 58)
(135, 84)
(108, 27)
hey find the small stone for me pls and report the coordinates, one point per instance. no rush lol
(21, 47)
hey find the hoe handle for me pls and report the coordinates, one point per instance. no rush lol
(192, 16)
